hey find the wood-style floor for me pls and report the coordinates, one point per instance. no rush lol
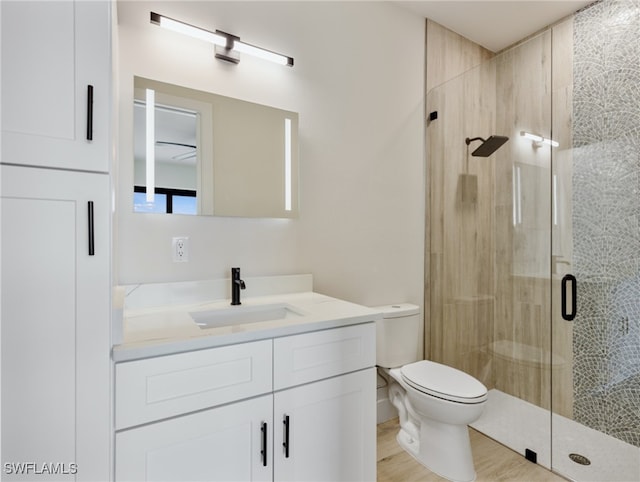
(493, 461)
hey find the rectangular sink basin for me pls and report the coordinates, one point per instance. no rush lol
(239, 315)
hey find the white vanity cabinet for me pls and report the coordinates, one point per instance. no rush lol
(311, 415)
(327, 426)
(56, 71)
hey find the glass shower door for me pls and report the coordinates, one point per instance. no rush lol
(596, 238)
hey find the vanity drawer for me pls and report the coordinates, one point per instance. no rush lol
(161, 387)
(312, 356)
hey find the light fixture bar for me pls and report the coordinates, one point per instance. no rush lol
(262, 53)
(231, 43)
(186, 29)
(150, 142)
(539, 140)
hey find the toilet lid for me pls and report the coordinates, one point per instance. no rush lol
(444, 382)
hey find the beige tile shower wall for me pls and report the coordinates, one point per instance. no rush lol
(487, 277)
(449, 55)
(533, 343)
(459, 206)
(521, 349)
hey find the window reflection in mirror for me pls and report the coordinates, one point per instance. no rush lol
(214, 155)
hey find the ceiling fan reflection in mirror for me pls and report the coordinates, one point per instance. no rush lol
(176, 129)
(189, 153)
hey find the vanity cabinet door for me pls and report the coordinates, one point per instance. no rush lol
(56, 58)
(308, 357)
(166, 386)
(331, 430)
(55, 324)
(219, 444)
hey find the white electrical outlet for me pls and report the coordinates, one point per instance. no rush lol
(180, 249)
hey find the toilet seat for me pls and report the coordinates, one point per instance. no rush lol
(444, 382)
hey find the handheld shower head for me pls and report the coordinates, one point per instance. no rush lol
(488, 147)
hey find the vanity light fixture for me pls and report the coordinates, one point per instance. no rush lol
(227, 46)
(539, 140)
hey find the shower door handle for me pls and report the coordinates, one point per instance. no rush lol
(566, 314)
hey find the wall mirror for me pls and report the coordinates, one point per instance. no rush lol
(201, 153)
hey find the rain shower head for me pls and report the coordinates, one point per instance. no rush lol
(488, 147)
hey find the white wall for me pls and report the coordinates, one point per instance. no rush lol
(357, 83)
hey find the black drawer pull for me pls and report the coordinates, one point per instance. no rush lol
(92, 247)
(263, 452)
(285, 444)
(89, 112)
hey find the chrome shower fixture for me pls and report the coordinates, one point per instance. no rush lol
(488, 147)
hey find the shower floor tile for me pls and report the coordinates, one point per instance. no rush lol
(521, 425)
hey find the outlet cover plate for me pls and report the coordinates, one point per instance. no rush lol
(180, 249)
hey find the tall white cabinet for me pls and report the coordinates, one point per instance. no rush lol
(55, 228)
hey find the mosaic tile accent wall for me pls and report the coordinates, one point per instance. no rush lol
(606, 218)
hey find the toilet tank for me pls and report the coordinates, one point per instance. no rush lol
(398, 335)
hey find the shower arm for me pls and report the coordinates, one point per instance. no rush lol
(469, 141)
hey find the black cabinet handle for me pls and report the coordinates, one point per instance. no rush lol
(569, 315)
(264, 444)
(285, 444)
(92, 248)
(89, 112)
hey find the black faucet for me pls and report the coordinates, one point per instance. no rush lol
(236, 285)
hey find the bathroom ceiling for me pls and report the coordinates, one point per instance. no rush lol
(498, 24)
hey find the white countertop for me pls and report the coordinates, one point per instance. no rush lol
(170, 329)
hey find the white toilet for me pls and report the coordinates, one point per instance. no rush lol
(435, 402)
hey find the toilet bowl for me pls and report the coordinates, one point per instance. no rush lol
(435, 402)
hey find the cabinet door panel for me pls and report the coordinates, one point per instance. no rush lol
(55, 321)
(38, 333)
(165, 386)
(220, 444)
(43, 42)
(51, 52)
(312, 356)
(332, 431)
